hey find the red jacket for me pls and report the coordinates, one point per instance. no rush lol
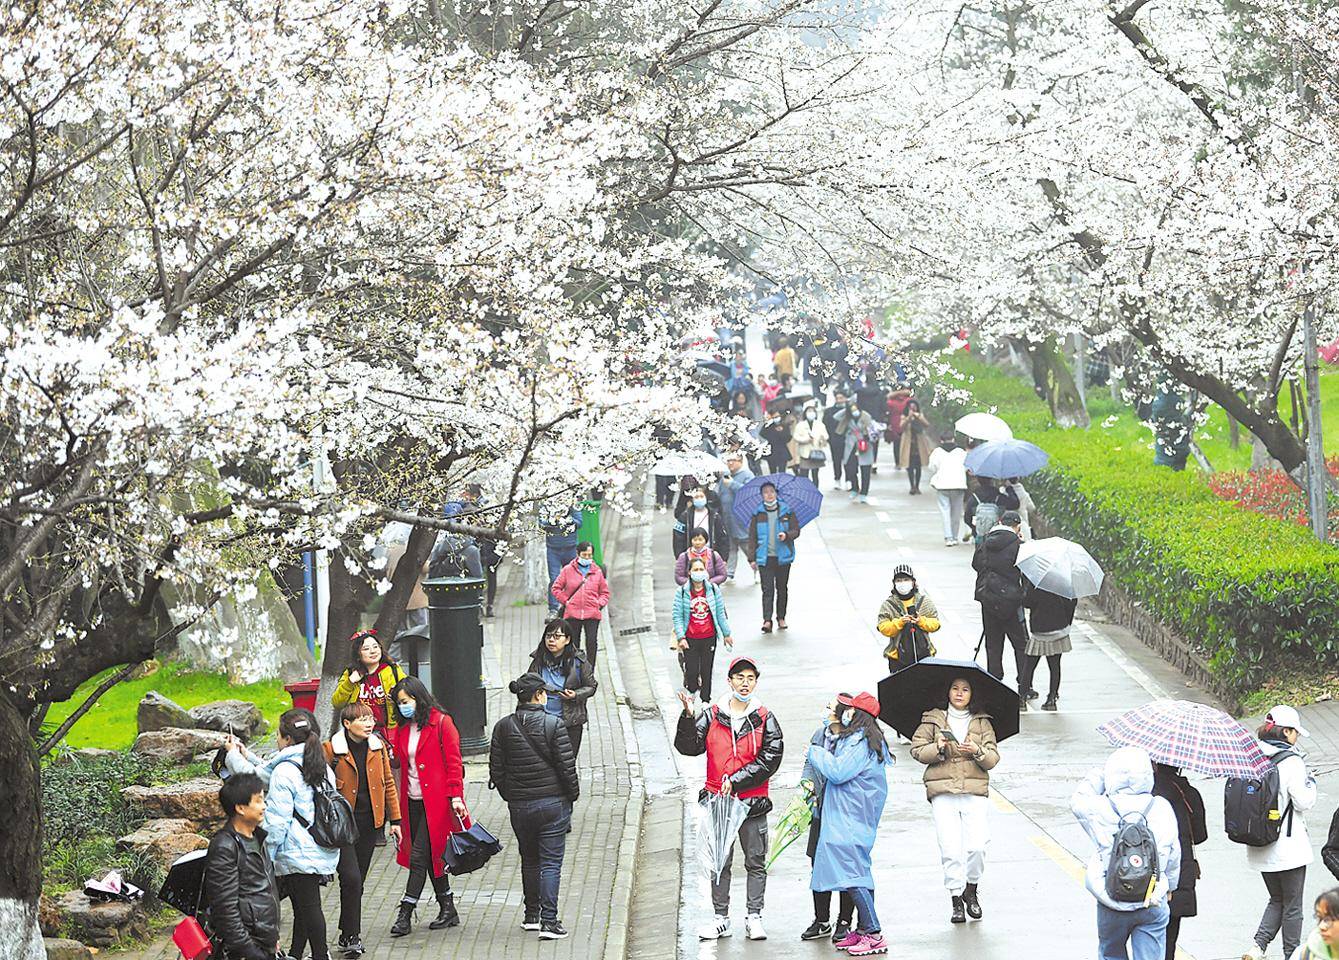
(748, 760)
(441, 775)
(582, 602)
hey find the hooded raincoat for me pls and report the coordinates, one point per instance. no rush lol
(855, 789)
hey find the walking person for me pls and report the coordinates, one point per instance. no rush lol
(1282, 864)
(906, 617)
(776, 431)
(737, 530)
(701, 510)
(856, 788)
(958, 747)
(699, 621)
(772, 534)
(915, 446)
(999, 590)
(894, 411)
(811, 437)
(1052, 618)
(432, 801)
(699, 549)
(582, 592)
(860, 431)
(783, 360)
(742, 741)
(836, 437)
(240, 891)
(570, 677)
(1117, 808)
(361, 762)
(1191, 829)
(986, 502)
(369, 679)
(533, 768)
(947, 473)
(1323, 942)
(560, 546)
(814, 785)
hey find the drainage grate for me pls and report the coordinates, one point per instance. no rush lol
(633, 631)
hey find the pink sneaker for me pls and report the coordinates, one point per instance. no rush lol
(850, 940)
(869, 945)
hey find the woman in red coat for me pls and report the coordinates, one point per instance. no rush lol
(432, 801)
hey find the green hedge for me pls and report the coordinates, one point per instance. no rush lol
(1255, 594)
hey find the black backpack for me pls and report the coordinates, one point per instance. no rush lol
(1251, 813)
(334, 826)
(1132, 869)
(999, 594)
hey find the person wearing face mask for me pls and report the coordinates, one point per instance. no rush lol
(947, 473)
(701, 510)
(699, 623)
(836, 438)
(698, 549)
(582, 592)
(570, 676)
(814, 786)
(776, 431)
(860, 431)
(743, 744)
(915, 445)
(772, 534)
(737, 530)
(811, 438)
(906, 617)
(432, 800)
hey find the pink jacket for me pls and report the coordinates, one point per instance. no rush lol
(716, 569)
(584, 596)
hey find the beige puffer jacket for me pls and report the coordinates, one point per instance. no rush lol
(952, 772)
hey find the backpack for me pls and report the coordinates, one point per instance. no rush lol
(1251, 813)
(999, 594)
(333, 826)
(1132, 869)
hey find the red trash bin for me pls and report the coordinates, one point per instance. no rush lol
(303, 693)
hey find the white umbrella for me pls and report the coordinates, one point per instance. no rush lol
(1060, 566)
(697, 463)
(984, 426)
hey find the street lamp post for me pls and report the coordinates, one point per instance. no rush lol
(456, 662)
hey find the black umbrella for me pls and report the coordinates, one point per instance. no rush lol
(907, 694)
(185, 883)
(717, 368)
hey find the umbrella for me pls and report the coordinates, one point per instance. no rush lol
(1061, 567)
(1006, 458)
(799, 493)
(718, 368)
(722, 817)
(697, 463)
(185, 882)
(907, 694)
(1190, 736)
(984, 426)
(795, 820)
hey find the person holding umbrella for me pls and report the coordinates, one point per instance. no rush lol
(999, 590)
(905, 618)
(1052, 617)
(958, 746)
(1186, 802)
(773, 531)
(948, 476)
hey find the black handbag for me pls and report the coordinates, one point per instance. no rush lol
(470, 849)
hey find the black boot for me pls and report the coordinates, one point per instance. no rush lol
(959, 912)
(1052, 703)
(971, 902)
(446, 914)
(404, 920)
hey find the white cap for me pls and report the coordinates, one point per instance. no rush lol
(1286, 716)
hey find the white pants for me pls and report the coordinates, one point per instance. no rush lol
(964, 830)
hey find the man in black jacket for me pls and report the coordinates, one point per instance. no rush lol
(836, 440)
(999, 590)
(532, 766)
(240, 889)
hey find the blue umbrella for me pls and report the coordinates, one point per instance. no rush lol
(1006, 458)
(799, 493)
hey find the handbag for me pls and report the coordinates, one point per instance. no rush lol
(817, 456)
(470, 849)
(191, 939)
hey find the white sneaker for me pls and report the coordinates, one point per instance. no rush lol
(753, 927)
(714, 929)
(950, 542)
(1255, 953)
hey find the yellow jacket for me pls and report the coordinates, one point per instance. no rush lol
(347, 691)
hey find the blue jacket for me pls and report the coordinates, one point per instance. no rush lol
(682, 600)
(562, 532)
(853, 798)
(739, 529)
(785, 549)
(287, 841)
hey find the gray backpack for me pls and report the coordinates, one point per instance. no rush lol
(1132, 870)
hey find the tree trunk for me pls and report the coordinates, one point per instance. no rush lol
(21, 845)
(1233, 432)
(350, 597)
(1052, 373)
(536, 570)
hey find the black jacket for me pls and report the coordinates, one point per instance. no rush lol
(716, 528)
(1329, 854)
(517, 771)
(242, 895)
(1191, 828)
(999, 585)
(580, 680)
(1006, 498)
(690, 739)
(1050, 611)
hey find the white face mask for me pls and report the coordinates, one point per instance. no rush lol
(904, 588)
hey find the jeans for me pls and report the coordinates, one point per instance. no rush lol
(591, 630)
(354, 860)
(558, 557)
(698, 661)
(950, 508)
(304, 892)
(541, 837)
(996, 629)
(775, 578)
(753, 841)
(420, 857)
(1284, 911)
(864, 903)
(1145, 932)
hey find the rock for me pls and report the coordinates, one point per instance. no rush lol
(101, 924)
(175, 745)
(245, 718)
(164, 840)
(194, 800)
(61, 949)
(157, 712)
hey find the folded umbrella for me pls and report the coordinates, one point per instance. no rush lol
(469, 849)
(923, 686)
(1189, 736)
(795, 820)
(983, 426)
(184, 885)
(799, 493)
(721, 819)
(1061, 567)
(1006, 458)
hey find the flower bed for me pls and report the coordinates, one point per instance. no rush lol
(1272, 493)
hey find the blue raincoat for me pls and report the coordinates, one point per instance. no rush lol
(857, 786)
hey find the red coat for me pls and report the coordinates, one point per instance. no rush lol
(441, 774)
(583, 597)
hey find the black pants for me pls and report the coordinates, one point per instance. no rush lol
(591, 630)
(997, 628)
(837, 444)
(823, 906)
(698, 662)
(811, 474)
(303, 891)
(858, 476)
(914, 473)
(1052, 666)
(775, 578)
(664, 491)
(1173, 932)
(777, 464)
(354, 860)
(574, 734)
(896, 444)
(420, 857)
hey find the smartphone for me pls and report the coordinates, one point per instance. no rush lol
(948, 735)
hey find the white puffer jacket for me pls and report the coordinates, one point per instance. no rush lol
(1293, 848)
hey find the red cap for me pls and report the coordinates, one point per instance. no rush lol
(861, 701)
(742, 662)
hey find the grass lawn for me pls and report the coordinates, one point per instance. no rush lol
(111, 722)
(1218, 447)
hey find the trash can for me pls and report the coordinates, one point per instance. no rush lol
(456, 662)
(303, 693)
(590, 527)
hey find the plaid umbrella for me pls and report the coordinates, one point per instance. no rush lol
(1189, 736)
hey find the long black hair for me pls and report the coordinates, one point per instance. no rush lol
(973, 707)
(557, 625)
(356, 648)
(424, 703)
(300, 726)
(862, 722)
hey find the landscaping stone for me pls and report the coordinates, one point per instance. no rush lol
(157, 712)
(61, 949)
(245, 718)
(176, 745)
(165, 840)
(194, 800)
(101, 924)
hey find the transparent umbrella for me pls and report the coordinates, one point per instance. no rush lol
(720, 820)
(1061, 567)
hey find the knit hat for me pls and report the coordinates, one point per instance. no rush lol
(903, 570)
